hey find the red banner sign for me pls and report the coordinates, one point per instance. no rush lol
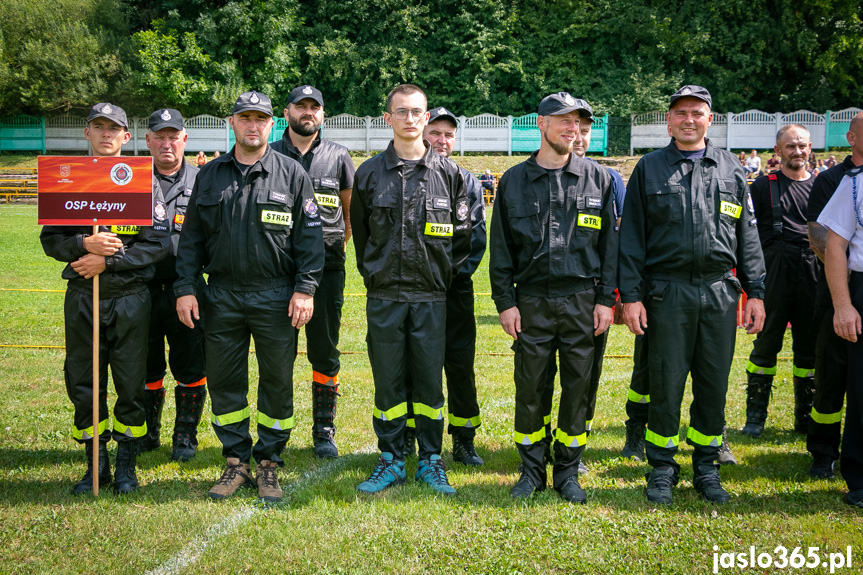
(86, 190)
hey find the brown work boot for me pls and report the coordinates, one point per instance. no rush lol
(236, 475)
(268, 482)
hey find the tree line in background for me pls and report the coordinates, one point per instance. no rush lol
(473, 56)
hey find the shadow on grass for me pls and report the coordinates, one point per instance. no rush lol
(778, 478)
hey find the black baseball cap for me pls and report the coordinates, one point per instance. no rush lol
(109, 111)
(303, 92)
(563, 103)
(436, 114)
(691, 91)
(165, 118)
(253, 101)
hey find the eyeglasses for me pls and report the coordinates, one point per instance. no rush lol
(403, 113)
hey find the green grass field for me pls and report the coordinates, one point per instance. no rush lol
(325, 526)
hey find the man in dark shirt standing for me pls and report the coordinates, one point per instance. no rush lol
(253, 225)
(780, 200)
(553, 266)
(411, 226)
(166, 139)
(123, 257)
(831, 361)
(330, 167)
(688, 222)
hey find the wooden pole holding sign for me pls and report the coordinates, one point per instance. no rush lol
(96, 372)
(94, 191)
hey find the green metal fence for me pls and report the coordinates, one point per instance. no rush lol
(22, 133)
(526, 136)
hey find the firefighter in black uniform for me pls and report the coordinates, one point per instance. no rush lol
(124, 258)
(463, 407)
(553, 266)
(843, 265)
(252, 224)
(330, 167)
(411, 223)
(688, 222)
(831, 359)
(780, 200)
(166, 139)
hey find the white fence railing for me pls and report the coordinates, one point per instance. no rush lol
(752, 129)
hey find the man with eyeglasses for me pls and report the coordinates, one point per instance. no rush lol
(330, 167)
(464, 418)
(411, 222)
(253, 225)
(166, 139)
(553, 268)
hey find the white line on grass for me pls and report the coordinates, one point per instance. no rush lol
(194, 550)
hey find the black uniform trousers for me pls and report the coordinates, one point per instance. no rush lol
(185, 346)
(322, 331)
(232, 317)
(599, 343)
(851, 460)
(459, 355)
(549, 326)
(123, 323)
(792, 274)
(831, 373)
(407, 339)
(692, 330)
(638, 397)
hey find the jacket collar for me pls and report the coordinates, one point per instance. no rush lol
(575, 166)
(267, 162)
(289, 145)
(673, 155)
(392, 159)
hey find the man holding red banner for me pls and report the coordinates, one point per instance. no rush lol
(124, 258)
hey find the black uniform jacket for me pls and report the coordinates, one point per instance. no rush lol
(176, 201)
(687, 220)
(548, 244)
(477, 223)
(410, 236)
(252, 232)
(128, 270)
(330, 167)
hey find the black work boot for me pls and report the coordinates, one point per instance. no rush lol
(86, 483)
(804, 393)
(633, 447)
(463, 450)
(125, 479)
(190, 405)
(725, 455)
(659, 484)
(324, 399)
(410, 447)
(154, 401)
(757, 399)
(710, 487)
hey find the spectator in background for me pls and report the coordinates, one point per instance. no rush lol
(830, 161)
(487, 181)
(822, 167)
(216, 154)
(773, 164)
(742, 157)
(753, 165)
(201, 159)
